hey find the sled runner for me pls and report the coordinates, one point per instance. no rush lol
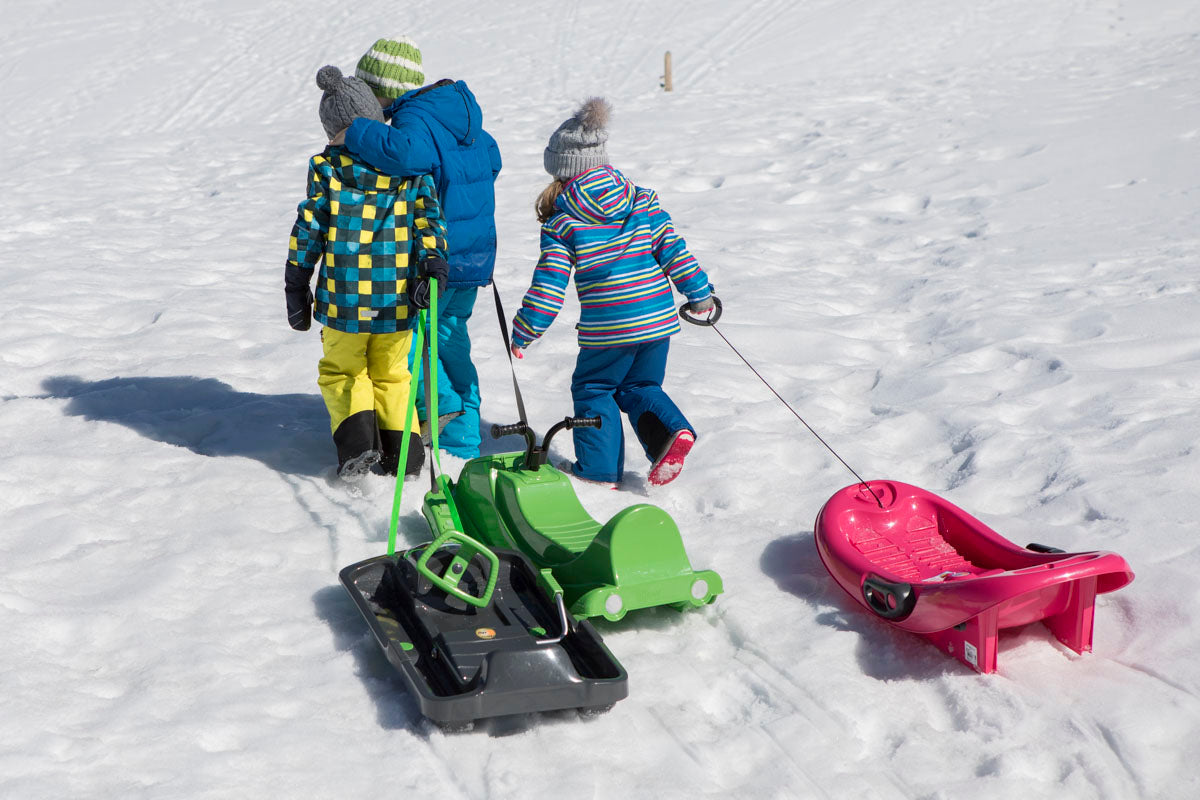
(924, 565)
(518, 501)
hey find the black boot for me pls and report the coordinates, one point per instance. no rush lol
(358, 445)
(392, 440)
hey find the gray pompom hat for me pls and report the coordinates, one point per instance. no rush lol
(578, 144)
(344, 100)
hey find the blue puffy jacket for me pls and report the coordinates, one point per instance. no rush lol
(438, 129)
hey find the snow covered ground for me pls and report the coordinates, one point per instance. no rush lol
(960, 238)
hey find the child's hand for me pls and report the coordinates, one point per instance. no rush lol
(516, 351)
(299, 307)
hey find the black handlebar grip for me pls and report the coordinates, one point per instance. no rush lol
(516, 429)
(584, 422)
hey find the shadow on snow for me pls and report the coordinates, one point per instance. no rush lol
(287, 432)
(883, 651)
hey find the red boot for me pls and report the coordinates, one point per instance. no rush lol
(670, 463)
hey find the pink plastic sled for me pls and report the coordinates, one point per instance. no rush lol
(928, 567)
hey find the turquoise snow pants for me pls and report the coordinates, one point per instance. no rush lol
(457, 378)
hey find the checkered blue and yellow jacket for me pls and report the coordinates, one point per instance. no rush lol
(367, 232)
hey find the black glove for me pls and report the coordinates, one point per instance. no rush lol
(429, 268)
(435, 267)
(299, 297)
(299, 308)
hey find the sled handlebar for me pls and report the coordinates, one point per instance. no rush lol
(456, 569)
(521, 428)
(516, 429)
(535, 454)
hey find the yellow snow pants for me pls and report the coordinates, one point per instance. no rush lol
(366, 372)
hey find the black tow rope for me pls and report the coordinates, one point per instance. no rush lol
(508, 352)
(710, 321)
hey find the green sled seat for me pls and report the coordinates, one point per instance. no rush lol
(635, 560)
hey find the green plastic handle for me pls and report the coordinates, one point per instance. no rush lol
(449, 579)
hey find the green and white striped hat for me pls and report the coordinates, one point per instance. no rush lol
(391, 67)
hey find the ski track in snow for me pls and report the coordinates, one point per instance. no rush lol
(958, 239)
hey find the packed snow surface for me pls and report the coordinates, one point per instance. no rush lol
(959, 238)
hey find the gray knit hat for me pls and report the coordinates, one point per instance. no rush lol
(578, 144)
(344, 100)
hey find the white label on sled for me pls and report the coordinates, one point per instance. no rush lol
(971, 652)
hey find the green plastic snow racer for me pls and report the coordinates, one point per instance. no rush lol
(518, 501)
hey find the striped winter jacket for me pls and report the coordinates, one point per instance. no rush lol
(622, 248)
(367, 232)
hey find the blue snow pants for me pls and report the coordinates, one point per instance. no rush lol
(457, 379)
(609, 380)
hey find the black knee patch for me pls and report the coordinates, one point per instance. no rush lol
(653, 433)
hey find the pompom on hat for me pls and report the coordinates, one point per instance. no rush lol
(392, 67)
(344, 100)
(578, 144)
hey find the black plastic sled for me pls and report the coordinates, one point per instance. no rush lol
(474, 633)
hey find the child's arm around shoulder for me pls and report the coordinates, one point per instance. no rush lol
(406, 150)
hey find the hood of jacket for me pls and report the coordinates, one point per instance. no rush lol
(448, 103)
(600, 195)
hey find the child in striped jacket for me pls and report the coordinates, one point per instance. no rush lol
(622, 249)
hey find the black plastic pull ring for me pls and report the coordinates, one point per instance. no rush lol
(711, 319)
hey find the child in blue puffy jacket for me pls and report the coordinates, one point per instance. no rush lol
(438, 129)
(623, 250)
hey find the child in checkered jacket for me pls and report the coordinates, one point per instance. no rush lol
(375, 239)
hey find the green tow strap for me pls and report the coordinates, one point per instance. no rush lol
(426, 321)
(408, 417)
(431, 393)
(440, 483)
